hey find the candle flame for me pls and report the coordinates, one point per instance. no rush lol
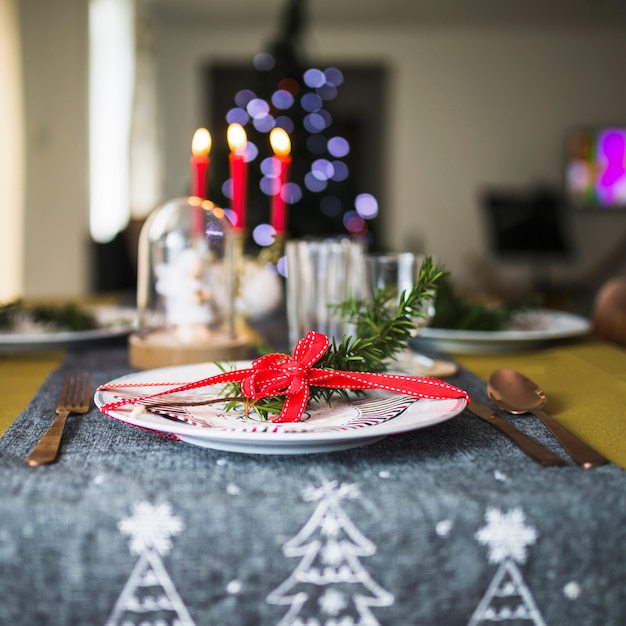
(201, 142)
(236, 137)
(280, 142)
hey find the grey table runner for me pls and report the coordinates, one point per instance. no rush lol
(443, 526)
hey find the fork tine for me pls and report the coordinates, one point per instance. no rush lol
(76, 382)
(65, 392)
(76, 385)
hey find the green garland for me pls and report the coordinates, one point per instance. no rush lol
(454, 312)
(65, 317)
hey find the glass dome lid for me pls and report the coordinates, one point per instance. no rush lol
(185, 286)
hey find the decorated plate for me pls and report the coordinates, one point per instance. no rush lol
(343, 425)
(114, 322)
(528, 330)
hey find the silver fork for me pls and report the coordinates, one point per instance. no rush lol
(75, 398)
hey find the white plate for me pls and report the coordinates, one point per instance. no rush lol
(532, 329)
(114, 321)
(341, 426)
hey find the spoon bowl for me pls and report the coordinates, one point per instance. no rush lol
(513, 392)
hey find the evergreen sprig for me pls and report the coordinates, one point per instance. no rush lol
(382, 326)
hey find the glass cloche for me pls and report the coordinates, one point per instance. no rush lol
(185, 287)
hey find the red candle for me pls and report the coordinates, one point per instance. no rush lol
(237, 140)
(281, 145)
(200, 148)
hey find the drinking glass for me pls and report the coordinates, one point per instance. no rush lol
(322, 273)
(398, 272)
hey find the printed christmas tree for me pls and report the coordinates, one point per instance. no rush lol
(149, 596)
(508, 598)
(330, 586)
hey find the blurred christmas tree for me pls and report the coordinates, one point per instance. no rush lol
(284, 90)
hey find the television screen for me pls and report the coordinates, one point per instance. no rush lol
(526, 224)
(596, 168)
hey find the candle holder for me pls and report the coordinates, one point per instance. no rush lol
(186, 284)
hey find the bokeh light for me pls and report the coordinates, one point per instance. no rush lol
(257, 108)
(366, 206)
(291, 193)
(281, 266)
(340, 171)
(314, 123)
(269, 167)
(244, 96)
(314, 184)
(237, 115)
(327, 91)
(282, 99)
(264, 235)
(338, 146)
(268, 185)
(314, 77)
(264, 124)
(328, 119)
(264, 61)
(311, 102)
(334, 76)
(250, 152)
(289, 84)
(354, 223)
(230, 215)
(322, 169)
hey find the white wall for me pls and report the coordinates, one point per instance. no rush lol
(469, 106)
(54, 39)
(11, 154)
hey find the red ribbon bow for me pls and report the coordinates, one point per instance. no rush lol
(292, 376)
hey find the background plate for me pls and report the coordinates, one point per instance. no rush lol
(530, 330)
(115, 321)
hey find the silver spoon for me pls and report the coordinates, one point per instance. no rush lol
(513, 392)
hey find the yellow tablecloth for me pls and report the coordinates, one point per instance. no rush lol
(585, 384)
(22, 373)
(20, 377)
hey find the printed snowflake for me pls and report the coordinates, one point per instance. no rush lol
(151, 527)
(507, 535)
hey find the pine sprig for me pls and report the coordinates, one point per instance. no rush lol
(382, 327)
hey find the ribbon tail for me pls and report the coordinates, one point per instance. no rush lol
(294, 406)
(224, 377)
(416, 386)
